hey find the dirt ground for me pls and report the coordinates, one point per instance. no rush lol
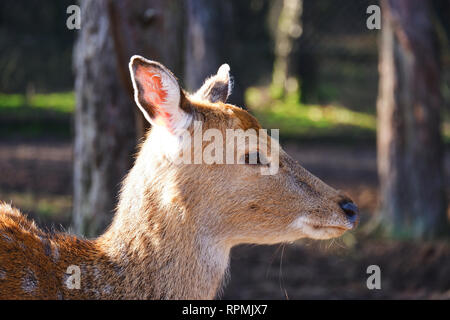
(36, 176)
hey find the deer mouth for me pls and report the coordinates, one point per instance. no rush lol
(314, 230)
(316, 226)
(323, 232)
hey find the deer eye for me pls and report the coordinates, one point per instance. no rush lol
(254, 158)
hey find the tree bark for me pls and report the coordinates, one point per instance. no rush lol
(106, 125)
(205, 39)
(288, 29)
(409, 144)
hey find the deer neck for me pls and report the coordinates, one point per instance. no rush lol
(161, 249)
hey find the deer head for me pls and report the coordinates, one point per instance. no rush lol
(235, 203)
(177, 220)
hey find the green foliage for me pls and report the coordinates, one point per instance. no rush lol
(299, 120)
(60, 102)
(46, 206)
(9, 101)
(330, 122)
(37, 115)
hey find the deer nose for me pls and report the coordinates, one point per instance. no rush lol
(350, 209)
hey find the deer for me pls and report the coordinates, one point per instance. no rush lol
(175, 223)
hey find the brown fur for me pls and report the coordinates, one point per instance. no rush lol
(174, 226)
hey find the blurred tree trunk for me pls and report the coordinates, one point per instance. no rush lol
(289, 28)
(205, 39)
(106, 122)
(409, 142)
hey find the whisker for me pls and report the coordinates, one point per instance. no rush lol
(272, 259)
(282, 287)
(331, 243)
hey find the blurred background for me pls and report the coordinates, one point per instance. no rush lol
(366, 110)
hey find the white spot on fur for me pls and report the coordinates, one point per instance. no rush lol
(29, 282)
(96, 273)
(55, 252)
(119, 271)
(6, 237)
(298, 223)
(107, 289)
(2, 274)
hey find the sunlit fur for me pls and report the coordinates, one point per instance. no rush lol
(175, 223)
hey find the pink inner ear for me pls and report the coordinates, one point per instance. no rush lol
(154, 94)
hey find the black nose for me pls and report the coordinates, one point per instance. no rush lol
(350, 209)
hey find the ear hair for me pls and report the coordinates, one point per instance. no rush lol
(157, 93)
(218, 87)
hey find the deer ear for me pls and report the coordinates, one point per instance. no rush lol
(157, 93)
(218, 87)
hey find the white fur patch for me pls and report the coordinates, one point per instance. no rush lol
(215, 258)
(213, 254)
(170, 142)
(224, 74)
(304, 225)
